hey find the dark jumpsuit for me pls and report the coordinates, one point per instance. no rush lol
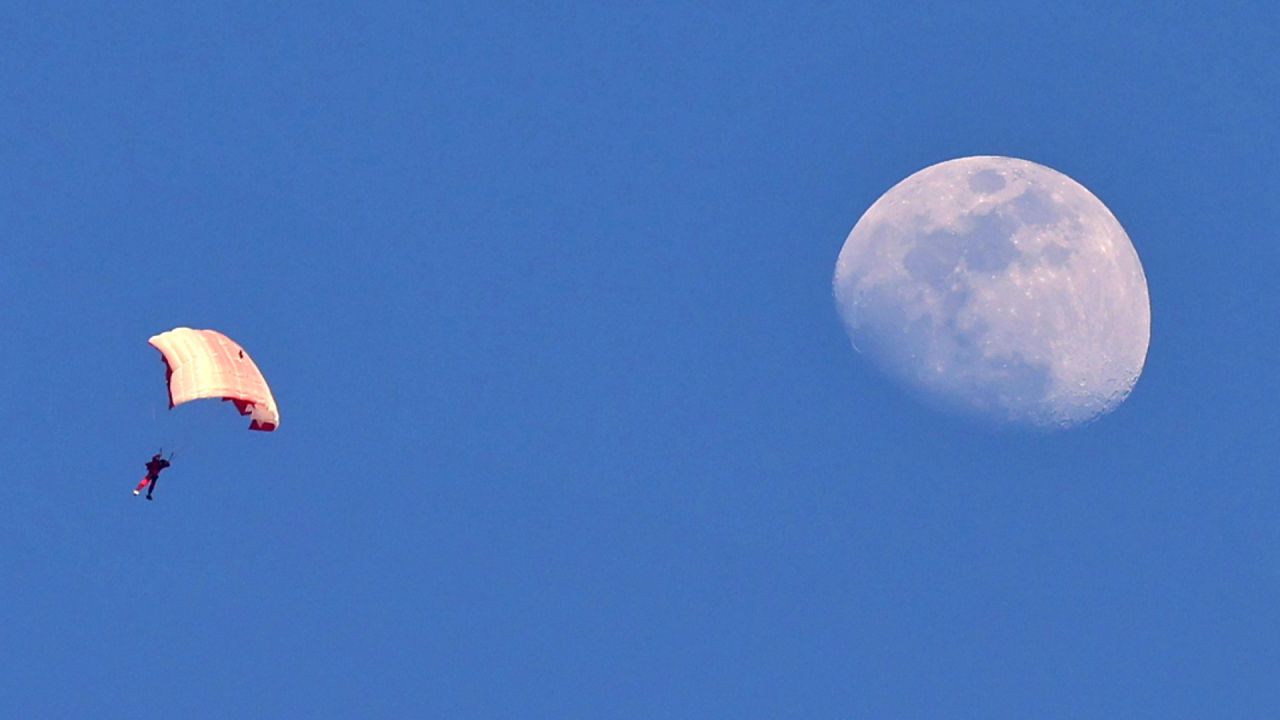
(154, 467)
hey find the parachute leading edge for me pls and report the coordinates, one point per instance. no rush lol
(207, 364)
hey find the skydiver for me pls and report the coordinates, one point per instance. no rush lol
(154, 466)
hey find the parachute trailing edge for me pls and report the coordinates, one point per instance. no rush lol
(207, 364)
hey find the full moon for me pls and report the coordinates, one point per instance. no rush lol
(998, 288)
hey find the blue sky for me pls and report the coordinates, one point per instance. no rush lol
(570, 426)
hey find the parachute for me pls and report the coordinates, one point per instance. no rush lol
(207, 364)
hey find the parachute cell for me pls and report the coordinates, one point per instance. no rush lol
(207, 364)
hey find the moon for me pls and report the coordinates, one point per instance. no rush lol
(997, 288)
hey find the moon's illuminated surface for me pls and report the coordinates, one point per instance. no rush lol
(998, 287)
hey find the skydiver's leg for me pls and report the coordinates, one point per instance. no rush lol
(152, 489)
(145, 481)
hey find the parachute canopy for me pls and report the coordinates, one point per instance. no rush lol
(207, 364)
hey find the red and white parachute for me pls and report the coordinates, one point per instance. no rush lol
(207, 364)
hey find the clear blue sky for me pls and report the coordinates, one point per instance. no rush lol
(570, 427)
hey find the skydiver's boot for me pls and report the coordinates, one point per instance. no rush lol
(145, 482)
